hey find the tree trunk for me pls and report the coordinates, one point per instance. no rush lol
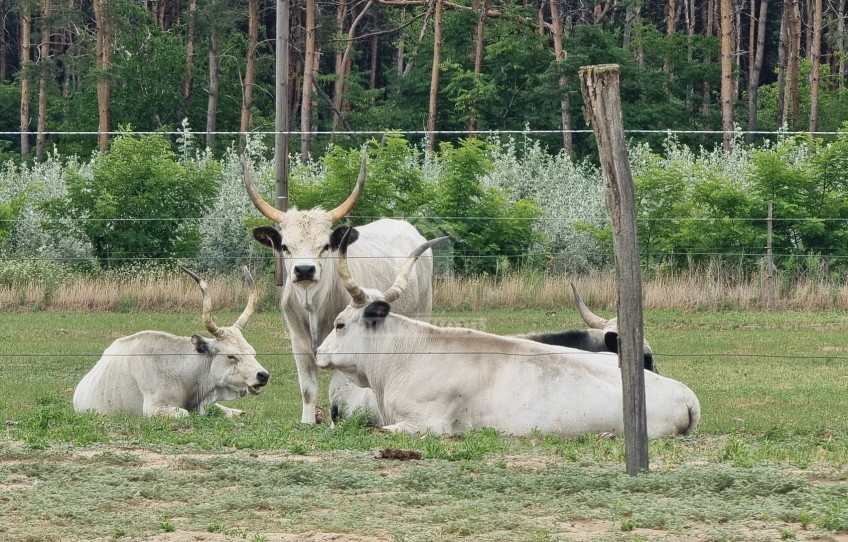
(670, 28)
(306, 89)
(708, 31)
(43, 73)
(754, 78)
(727, 72)
(103, 13)
(560, 55)
(249, 72)
(478, 59)
(4, 61)
(792, 105)
(214, 85)
(375, 62)
(26, 57)
(434, 77)
(338, 99)
(782, 62)
(815, 51)
(341, 70)
(842, 70)
(192, 13)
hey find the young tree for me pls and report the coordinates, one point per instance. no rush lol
(104, 12)
(727, 72)
(249, 72)
(44, 71)
(559, 55)
(310, 66)
(756, 64)
(192, 14)
(815, 52)
(434, 76)
(26, 57)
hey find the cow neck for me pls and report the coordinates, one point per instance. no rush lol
(321, 306)
(204, 386)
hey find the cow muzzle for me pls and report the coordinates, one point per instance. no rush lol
(262, 378)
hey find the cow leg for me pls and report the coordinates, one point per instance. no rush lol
(152, 408)
(402, 427)
(307, 377)
(228, 412)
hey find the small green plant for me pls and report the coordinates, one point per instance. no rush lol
(167, 526)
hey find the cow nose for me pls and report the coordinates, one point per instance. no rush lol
(262, 377)
(304, 271)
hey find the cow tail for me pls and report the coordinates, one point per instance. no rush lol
(694, 415)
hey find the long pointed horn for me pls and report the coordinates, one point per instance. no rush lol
(593, 320)
(208, 320)
(258, 201)
(346, 207)
(401, 281)
(251, 300)
(359, 297)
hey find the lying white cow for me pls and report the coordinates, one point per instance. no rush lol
(158, 374)
(448, 380)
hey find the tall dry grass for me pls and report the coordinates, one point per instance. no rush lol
(705, 291)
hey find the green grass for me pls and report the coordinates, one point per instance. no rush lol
(769, 461)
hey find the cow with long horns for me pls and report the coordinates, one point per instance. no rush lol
(154, 373)
(449, 380)
(312, 295)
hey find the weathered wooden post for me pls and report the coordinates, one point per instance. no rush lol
(600, 85)
(281, 123)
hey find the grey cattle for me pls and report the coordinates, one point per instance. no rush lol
(153, 373)
(449, 380)
(601, 335)
(312, 296)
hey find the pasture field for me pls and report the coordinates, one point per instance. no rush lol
(768, 462)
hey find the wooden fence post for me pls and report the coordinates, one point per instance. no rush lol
(600, 86)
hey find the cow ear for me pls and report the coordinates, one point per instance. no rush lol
(338, 235)
(376, 312)
(611, 341)
(269, 236)
(201, 345)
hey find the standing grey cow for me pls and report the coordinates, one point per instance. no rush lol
(313, 296)
(153, 373)
(449, 380)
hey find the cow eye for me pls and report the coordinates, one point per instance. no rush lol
(285, 248)
(231, 358)
(325, 249)
(340, 325)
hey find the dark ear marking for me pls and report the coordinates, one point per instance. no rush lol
(201, 346)
(268, 236)
(338, 235)
(376, 312)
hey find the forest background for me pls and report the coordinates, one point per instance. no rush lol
(730, 106)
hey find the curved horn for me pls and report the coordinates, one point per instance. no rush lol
(401, 281)
(258, 201)
(593, 320)
(251, 299)
(359, 297)
(208, 320)
(346, 207)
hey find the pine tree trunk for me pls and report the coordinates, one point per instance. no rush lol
(478, 58)
(434, 77)
(782, 63)
(341, 69)
(249, 72)
(4, 61)
(727, 73)
(792, 106)
(560, 55)
(192, 13)
(26, 57)
(214, 85)
(815, 51)
(103, 12)
(754, 78)
(308, 76)
(43, 74)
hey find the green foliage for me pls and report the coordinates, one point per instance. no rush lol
(139, 202)
(9, 213)
(490, 233)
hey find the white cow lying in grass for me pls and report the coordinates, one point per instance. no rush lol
(449, 380)
(154, 373)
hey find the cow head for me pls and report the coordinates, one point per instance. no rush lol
(232, 360)
(303, 238)
(359, 328)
